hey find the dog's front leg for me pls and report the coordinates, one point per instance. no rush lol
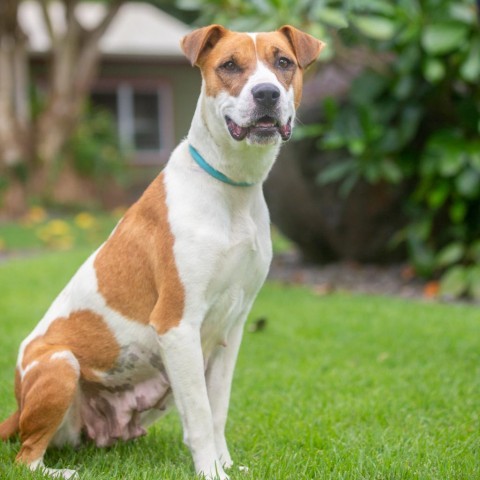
(219, 379)
(183, 358)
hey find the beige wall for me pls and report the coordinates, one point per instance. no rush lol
(183, 80)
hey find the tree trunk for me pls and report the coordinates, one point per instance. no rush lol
(74, 62)
(14, 108)
(14, 112)
(32, 148)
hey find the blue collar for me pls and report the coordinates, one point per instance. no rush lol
(202, 163)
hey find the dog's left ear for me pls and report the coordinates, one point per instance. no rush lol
(200, 41)
(306, 48)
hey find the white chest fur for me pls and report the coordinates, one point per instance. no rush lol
(222, 245)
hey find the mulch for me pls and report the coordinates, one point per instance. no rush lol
(391, 280)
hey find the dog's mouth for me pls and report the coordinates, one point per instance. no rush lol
(263, 127)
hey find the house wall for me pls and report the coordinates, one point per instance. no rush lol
(183, 80)
(179, 79)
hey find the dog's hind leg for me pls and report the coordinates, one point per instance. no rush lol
(49, 390)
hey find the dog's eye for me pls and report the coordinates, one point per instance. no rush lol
(230, 66)
(284, 63)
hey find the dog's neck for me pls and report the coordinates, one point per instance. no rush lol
(238, 161)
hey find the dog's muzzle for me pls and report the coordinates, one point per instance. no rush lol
(265, 124)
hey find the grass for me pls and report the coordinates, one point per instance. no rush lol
(334, 387)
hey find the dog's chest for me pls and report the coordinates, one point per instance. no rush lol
(222, 250)
(240, 270)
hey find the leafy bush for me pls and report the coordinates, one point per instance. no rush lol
(95, 147)
(417, 119)
(413, 115)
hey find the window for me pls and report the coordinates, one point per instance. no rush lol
(146, 129)
(142, 116)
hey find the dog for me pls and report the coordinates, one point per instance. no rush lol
(155, 316)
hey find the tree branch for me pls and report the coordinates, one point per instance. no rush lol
(48, 21)
(112, 10)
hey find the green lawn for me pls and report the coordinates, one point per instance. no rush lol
(335, 387)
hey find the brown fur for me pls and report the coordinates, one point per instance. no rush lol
(231, 46)
(136, 269)
(85, 334)
(9, 427)
(43, 408)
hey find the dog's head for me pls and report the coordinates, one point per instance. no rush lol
(253, 80)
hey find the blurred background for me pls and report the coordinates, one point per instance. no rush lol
(384, 167)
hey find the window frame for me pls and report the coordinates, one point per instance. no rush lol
(124, 90)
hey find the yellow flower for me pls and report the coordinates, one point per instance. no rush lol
(58, 227)
(85, 221)
(35, 215)
(56, 234)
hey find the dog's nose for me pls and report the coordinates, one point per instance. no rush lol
(265, 94)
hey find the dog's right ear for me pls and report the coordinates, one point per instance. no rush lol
(199, 42)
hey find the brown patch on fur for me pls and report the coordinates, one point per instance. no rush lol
(85, 334)
(306, 48)
(136, 269)
(210, 48)
(199, 42)
(231, 47)
(47, 392)
(9, 427)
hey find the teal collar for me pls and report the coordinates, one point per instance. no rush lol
(202, 163)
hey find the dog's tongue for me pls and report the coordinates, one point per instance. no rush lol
(236, 131)
(265, 123)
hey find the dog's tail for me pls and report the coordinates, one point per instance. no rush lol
(10, 426)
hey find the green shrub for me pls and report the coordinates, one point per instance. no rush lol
(95, 147)
(418, 120)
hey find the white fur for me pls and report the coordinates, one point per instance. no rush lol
(28, 368)
(69, 357)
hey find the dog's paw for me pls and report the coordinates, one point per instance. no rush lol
(214, 476)
(216, 473)
(61, 473)
(226, 461)
(243, 468)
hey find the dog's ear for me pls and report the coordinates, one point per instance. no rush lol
(306, 48)
(200, 41)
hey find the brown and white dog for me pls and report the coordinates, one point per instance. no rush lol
(155, 316)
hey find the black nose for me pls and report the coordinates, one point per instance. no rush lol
(266, 94)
